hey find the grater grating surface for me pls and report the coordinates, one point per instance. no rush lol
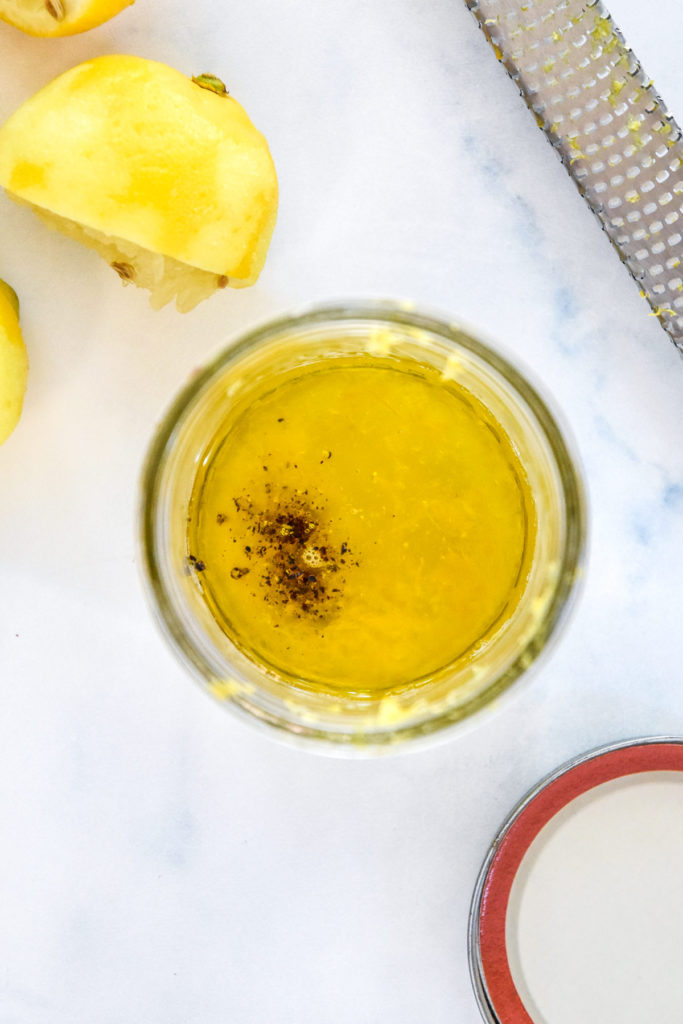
(600, 111)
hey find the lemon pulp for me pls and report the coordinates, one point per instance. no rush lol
(361, 525)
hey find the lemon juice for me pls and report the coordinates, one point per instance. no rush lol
(360, 524)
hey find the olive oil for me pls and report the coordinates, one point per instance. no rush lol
(361, 524)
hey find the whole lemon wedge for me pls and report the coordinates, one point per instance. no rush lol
(165, 176)
(13, 362)
(59, 17)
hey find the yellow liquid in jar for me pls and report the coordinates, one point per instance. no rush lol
(361, 524)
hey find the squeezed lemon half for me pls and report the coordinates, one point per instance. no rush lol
(165, 176)
(13, 362)
(59, 17)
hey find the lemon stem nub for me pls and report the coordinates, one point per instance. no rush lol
(210, 82)
(56, 9)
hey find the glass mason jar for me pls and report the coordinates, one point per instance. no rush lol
(370, 721)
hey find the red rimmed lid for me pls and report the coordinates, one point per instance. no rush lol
(531, 941)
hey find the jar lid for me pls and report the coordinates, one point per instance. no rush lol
(577, 914)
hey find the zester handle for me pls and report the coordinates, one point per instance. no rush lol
(602, 114)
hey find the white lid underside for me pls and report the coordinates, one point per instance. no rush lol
(595, 919)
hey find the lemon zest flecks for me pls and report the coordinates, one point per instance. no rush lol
(380, 342)
(390, 711)
(603, 34)
(451, 368)
(224, 689)
(617, 85)
(578, 154)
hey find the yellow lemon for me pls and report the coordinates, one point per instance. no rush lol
(59, 17)
(13, 362)
(165, 176)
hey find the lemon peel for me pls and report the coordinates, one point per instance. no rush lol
(166, 178)
(59, 17)
(10, 296)
(13, 362)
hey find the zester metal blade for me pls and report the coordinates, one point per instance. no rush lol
(601, 112)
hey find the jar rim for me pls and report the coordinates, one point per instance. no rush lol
(373, 312)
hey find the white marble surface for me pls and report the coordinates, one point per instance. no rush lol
(160, 863)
